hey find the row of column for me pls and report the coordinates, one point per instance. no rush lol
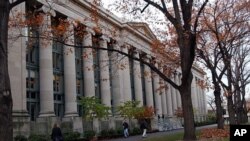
(166, 101)
(198, 98)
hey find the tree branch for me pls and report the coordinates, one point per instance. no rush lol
(198, 15)
(140, 9)
(163, 10)
(16, 3)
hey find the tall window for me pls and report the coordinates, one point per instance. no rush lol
(79, 70)
(58, 79)
(143, 84)
(110, 46)
(32, 68)
(32, 94)
(152, 80)
(96, 59)
(58, 72)
(132, 75)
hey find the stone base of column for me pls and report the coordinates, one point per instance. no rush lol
(47, 114)
(44, 125)
(21, 123)
(104, 125)
(72, 124)
(118, 120)
(96, 125)
(112, 123)
(154, 123)
(71, 114)
(91, 125)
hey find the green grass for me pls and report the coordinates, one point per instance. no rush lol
(173, 137)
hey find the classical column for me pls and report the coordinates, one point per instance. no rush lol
(137, 79)
(198, 96)
(201, 100)
(88, 68)
(177, 80)
(157, 92)
(46, 71)
(163, 96)
(70, 76)
(194, 96)
(148, 84)
(169, 100)
(202, 104)
(127, 94)
(205, 102)
(104, 72)
(176, 91)
(17, 67)
(173, 94)
(117, 77)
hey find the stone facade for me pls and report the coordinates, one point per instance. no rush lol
(44, 94)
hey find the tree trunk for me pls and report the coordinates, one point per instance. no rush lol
(243, 109)
(245, 117)
(231, 110)
(219, 109)
(6, 128)
(242, 112)
(188, 113)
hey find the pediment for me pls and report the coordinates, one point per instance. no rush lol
(142, 28)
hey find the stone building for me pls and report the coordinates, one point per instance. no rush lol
(46, 81)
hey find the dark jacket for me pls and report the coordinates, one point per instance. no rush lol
(56, 134)
(143, 125)
(125, 125)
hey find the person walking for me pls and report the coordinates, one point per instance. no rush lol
(143, 127)
(125, 129)
(56, 133)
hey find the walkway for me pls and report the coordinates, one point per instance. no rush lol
(157, 134)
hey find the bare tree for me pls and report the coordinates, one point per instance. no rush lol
(211, 103)
(241, 79)
(227, 23)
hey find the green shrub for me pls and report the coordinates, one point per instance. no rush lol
(20, 138)
(208, 122)
(111, 132)
(108, 133)
(119, 131)
(104, 133)
(71, 136)
(34, 137)
(136, 131)
(89, 134)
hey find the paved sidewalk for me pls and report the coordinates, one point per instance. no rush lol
(157, 134)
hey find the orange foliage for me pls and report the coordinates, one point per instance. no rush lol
(203, 84)
(178, 112)
(148, 112)
(215, 133)
(28, 19)
(61, 27)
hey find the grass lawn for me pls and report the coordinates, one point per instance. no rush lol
(174, 137)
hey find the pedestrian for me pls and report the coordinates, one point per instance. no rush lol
(144, 127)
(125, 129)
(56, 133)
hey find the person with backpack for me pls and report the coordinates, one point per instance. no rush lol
(144, 126)
(125, 129)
